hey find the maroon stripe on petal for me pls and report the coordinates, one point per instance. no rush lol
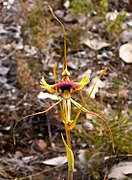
(66, 85)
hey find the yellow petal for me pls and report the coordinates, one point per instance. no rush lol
(70, 156)
(50, 88)
(82, 83)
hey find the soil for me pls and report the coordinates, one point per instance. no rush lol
(22, 64)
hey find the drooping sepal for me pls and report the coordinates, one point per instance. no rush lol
(98, 116)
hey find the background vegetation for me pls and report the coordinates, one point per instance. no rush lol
(31, 42)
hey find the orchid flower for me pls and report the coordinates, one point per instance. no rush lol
(64, 90)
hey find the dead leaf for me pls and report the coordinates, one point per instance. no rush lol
(43, 95)
(56, 161)
(125, 52)
(95, 44)
(41, 144)
(120, 171)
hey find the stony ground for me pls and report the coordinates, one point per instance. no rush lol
(29, 47)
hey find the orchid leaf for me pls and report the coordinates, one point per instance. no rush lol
(70, 156)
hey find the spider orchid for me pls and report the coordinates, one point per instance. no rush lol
(64, 90)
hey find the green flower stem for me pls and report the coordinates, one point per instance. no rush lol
(67, 117)
(68, 138)
(70, 175)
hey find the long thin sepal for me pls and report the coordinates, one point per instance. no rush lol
(87, 98)
(42, 112)
(51, 10)
(96, 115)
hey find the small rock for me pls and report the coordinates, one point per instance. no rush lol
(130, 23)
(126, 36)
(81, 18)
(123, 93)
(66, 4)
(73, 64)
(4, 70)
(125, 52)
(18, 154)
(111, 16)
(69, 18)
(3, 79)
(41, 144)
(88, 125)
(30, 50)
(59, 13)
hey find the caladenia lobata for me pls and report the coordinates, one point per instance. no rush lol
(64, 90)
